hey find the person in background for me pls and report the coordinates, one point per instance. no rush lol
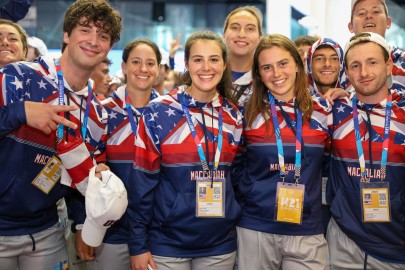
(36, 47)
(303, 44)
(182, 209)
(114, 85)
(13, 40)
(15, 10)
(172, 80)
(101, 79)
(286, 134)
(140, 64)
(372, 16)
(242, 30)
(324, 66)
(30, 115)
(365, 187)
(164, 69)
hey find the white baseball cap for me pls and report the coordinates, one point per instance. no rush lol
(38, 44)
(371, 37)
(106, 202)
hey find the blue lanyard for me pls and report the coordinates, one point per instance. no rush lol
(128, 107)
(198, 141)
(61, 101)
(279, 141)
(386, 138)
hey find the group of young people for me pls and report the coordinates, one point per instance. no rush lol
(223, 171)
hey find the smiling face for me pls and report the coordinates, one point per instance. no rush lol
(141, 68)
(242, 34)
(368, 70)
(369, 16)
(206, 67)
(278, 71)
(87, 45)
(11, 46)
(325, 68)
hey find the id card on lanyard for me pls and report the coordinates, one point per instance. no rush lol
(210, 191)
(289, 196)
(52, 171)
(374, 196)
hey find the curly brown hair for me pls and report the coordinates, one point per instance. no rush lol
(99, 12)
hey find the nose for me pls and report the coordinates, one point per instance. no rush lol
(327, 62)
(242, 32)
(206, 65)
(364, 71)
(143, 66)
(109, 79)
(3, 40)
(276, 72)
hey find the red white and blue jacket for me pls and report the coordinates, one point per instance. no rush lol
(262, 170)
(162, 197)
(120, 151)
(382, 240)
(24, 209)
(242, 88)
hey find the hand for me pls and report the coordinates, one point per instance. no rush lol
(101, 167)
(140, 262)
(85, 252)
(335, 93)
(45, 117)
(174, 46)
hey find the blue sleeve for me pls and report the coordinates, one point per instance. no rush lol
(12, 116)
(15, 10)
(141, 188)
(171, 62)
(75, 203)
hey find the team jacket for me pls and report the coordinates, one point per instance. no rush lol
(120, 152)
(24, 209)
(162, 200)
(384, 240)
(258, 186)
(242, 88)
(341, 80)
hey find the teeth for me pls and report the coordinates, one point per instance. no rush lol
(327, 72)
(279, 81)
(142, 77)
(369, 25)
(206, 76)
(5, 51)
(241, 43)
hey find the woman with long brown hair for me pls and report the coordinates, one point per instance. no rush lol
(286, 133)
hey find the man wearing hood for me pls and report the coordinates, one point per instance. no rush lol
(325, 66)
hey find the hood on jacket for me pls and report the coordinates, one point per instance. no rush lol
(334, 45)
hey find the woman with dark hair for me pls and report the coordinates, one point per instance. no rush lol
(140, 65)
(286, 134)
(183, 211)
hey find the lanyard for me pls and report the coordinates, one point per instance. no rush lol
(128, 107)
(298, 139)
(386, 139)
(197, 141)
(61, 101)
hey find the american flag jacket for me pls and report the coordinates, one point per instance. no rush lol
(162, 196)
(262, 170)
(382, 240)
(25, 209)
(120, 151)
